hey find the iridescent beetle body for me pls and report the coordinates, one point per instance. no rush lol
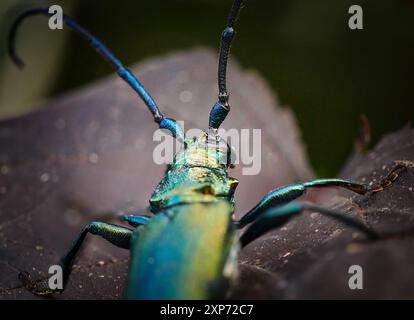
(188, 248)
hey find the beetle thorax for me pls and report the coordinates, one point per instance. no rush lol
(197, 174)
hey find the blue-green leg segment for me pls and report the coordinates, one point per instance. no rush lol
(285, 194)
(135, 221)
(117, 235)
(275, 218)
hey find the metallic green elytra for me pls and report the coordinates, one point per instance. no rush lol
(184, 252)
(188, 247)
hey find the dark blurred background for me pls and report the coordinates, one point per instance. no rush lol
(327, 73)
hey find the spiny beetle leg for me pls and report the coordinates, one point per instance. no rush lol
(275, 218)
(285, 194)
(117, 235)
(133, 220)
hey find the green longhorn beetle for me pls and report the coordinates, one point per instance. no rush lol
(188, 248)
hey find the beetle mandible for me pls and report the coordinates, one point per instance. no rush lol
(188, 248)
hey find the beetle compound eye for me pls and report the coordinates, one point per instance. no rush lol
(231, 156)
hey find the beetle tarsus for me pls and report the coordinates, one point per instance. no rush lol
(38, 287)
(389, 179)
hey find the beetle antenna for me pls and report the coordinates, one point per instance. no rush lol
(220, 110)
(164, 123)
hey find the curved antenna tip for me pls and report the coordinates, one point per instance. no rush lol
(18, 62)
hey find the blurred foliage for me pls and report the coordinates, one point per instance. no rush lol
(325, 72)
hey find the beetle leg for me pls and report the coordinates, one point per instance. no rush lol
(135, 221)
(390, 177)
(117, 235)
(285, 194)
(275, 218)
